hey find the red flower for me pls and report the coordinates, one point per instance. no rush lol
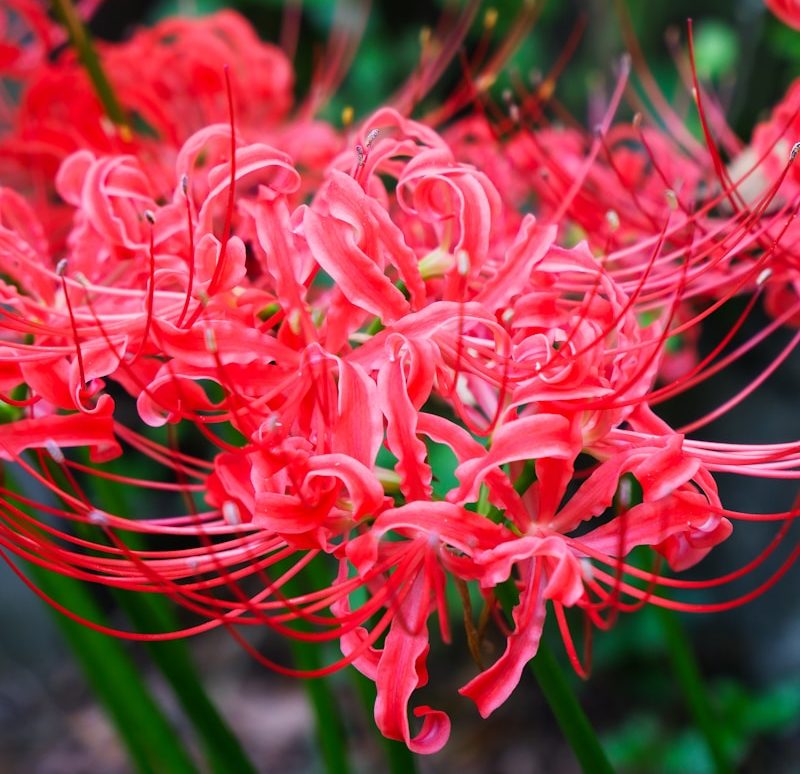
(329, 320)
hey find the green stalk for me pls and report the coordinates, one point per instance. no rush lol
(689, 678)
(330, 733)
(143, 728)
(691, 682)
(173, 659)
(151, 741)
(568, 712)
(150, 612)
(331, 738)
(329, 729)
(82, 43)
(564, 704)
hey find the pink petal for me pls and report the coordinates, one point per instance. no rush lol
(542, 435)
(64, 430)
(494, 685)
(400, 672)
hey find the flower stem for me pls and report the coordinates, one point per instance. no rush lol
(559, 695)
(222, 749)
(150, 740)
(568, 712)
(149, 612)
(82, 43)
(330, 732)
(691, 682)
(327, 714)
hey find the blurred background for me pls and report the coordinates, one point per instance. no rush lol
(749, 657)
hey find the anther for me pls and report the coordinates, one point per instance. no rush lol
(230, 512)
(587, 568)
(462, 263)
(612, 218)
(54, 451)
(150, 216)
(508, 315)
(672, 199)
(347, 115)
(210, 340)
(185, 184)
(98, 517)
(764, 276)
(293, 319)
(490, 18)
(360, 155)
(61, 267)
(371, 137)
(794, 151)
(425, 37)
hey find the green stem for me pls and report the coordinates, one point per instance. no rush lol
(330, 732)
(222, 749)
(151, 741)
(82, 43)
(150, 612)
(564, 704)
(329, 728)
(143, 728)
(568, 712)
(691, 683)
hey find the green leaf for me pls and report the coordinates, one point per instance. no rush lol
(150, 612)
(151, 741)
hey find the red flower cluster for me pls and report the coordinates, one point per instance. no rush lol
(419, 359)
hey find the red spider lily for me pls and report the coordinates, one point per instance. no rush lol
(323, 329)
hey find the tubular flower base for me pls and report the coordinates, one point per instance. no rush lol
(323, 316)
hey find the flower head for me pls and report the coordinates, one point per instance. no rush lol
(391, 369)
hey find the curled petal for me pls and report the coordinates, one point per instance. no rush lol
(207, 256)
(494, 685)
(683, 525)
(401, 670)
(543, 435)
(530, 246)
(564, 577)
(228, 342)
(63, 430)
(401, 427)
(351, 237)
